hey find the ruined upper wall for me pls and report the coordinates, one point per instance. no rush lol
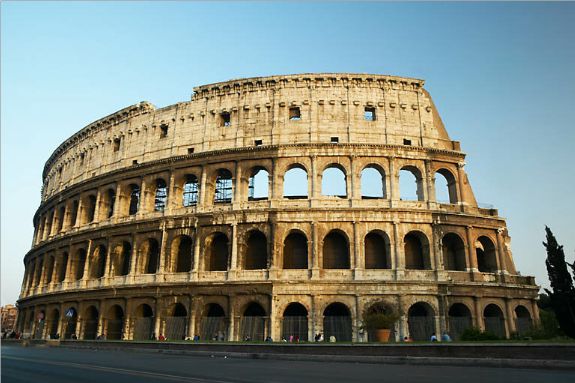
(331, 105)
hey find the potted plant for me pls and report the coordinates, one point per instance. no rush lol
(379, 320)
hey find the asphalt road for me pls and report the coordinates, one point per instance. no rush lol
(62, 365)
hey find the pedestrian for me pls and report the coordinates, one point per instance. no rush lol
(445, 337)
(433, 337)
(407, 339)
(332, 339)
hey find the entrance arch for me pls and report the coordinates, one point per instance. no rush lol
(71, 321)
(144, 322)
(294, 322)
(523, 323)
(175, 323)
(337, 322)
(90, 323)
(459, 320)
(253, 323)
(115, 323)
(295, 251)
(53, 324)
(213, 323)
(421, 322)
(494, 320)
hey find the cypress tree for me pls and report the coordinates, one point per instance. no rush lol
(563, 294)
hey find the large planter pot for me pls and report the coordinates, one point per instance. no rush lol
(382, 335)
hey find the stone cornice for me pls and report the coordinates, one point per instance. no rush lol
(103, 123)
(306, 79)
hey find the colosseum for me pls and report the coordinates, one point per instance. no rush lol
(269, 207)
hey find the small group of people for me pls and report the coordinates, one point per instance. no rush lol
(444, 337)
(318, 337)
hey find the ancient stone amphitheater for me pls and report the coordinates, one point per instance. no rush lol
(272, 207)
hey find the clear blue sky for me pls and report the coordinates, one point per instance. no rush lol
(501, 75)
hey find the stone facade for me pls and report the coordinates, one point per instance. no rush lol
(150, 223)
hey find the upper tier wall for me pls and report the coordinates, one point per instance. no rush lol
(331, 105)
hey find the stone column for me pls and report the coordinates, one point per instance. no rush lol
(315, 261)
(197, 268)
(163, 251)
(394, 183)
(471, 257)
(429, 178)
(501, 252)
(173, 191)
(234, 252)
(461, 198)
(193, 310)
(478, 314)
(358, 255)
(117, 202)
(202, 192)
(98, 207)
(399, 264)
(510, 320)
(232, 317)
(350, 187)
(273, 181)
(237, 186)
(314, 188)
(143, 203)
(85, 275)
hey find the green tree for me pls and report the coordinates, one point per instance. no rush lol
(563, 294)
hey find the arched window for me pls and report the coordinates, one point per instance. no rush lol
(256, 256)
(90, 323)
(453, 252)
(523, 322)
(134, 199)
(335, 251)
(445, 187)
(80, 263)
(333, 182)
(161, 195)
(49, 269)
(182, 254)
(39, 273)
(53, 323)
(223, 191)
(416, 250)
(114, 323)
(63, 267)
(411, 184)
(123, 253)
(90, 208)
(150, 254)
(111, 202)
(295, 251)
(190, 196)
(61, 214)
(98, 266)
(337, 322)
(218, 252)
(377, 251)
(485, 252)
(372, 183)
(295, 183)
(258, 184)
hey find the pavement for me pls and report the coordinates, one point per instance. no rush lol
(63, 364)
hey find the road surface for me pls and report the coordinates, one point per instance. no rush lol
(63, 365)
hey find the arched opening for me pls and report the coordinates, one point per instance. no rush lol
(333, 182)
(494, 320)
(49, 269)
(90, 208)
(144, 323)
(253, 323)
(453, 252)
(523, 323)
(161, 196)
(31, 273)
(377, 251)
(258, 184)
(372, 183)
(214, 324)
(223, 190)
(459, 320)
(61, 214)
(123, 253)
(40, 325)
(217, 252)
(416, 250)
(190, 191)
(445, 187)
(80, 263)
(90, 324)
(295, 183)
(53, 323)
(411, 184)
(335, 251)
(485, 252)
(134, 199)
(378, 308)
(149, 256)
(63, 267)
(98, 266)
(256, 257)
(421, 322)
(111, 198)
(175, 322)
(295, 251)
(182, 254)
(294, 323)
(115, 323)
(337, 322)
(71, 321)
